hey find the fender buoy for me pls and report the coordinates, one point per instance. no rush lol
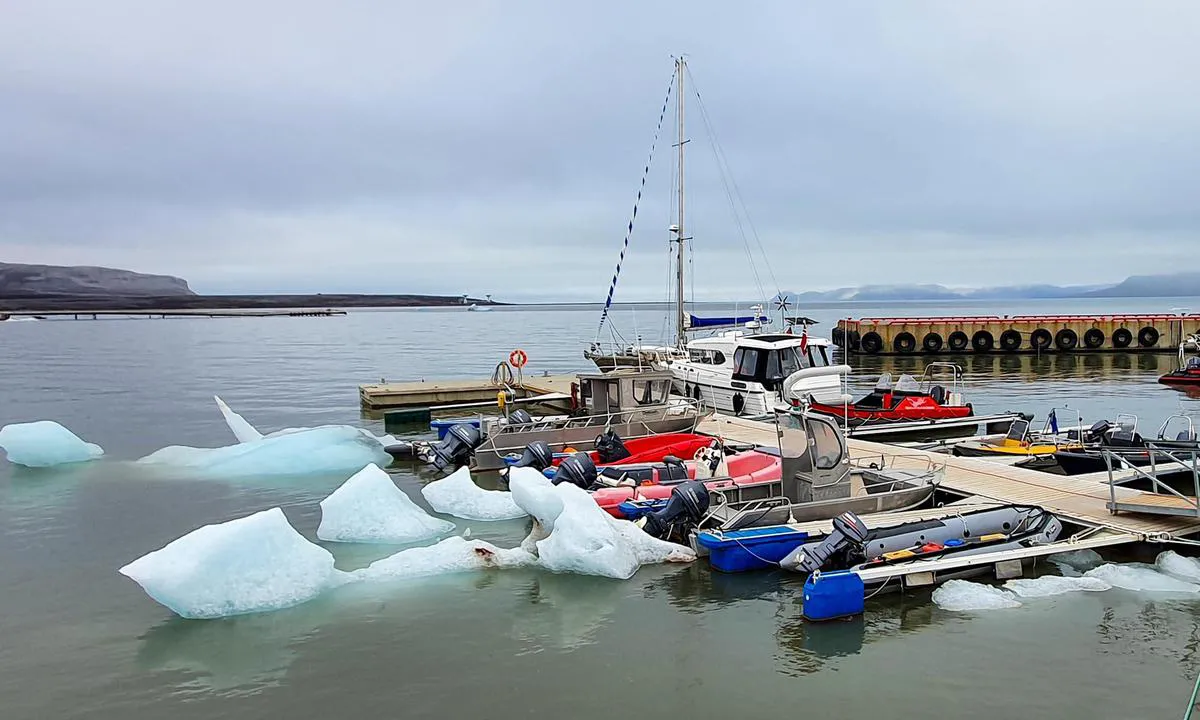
(1040, 339)
(517, 358)
(983, 341)
(904, 343)
(1093, 338)
(1147, 336)
(932, 342)
(1010, 340)
(1066, 339)
(958, 341)
(872, 343)
(739, 403)
(1122, 337)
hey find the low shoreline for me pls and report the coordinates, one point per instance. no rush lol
(38, 303)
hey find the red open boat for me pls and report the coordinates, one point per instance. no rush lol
(650, 481)
(653, 448)
(907, 401)
(1187, 376)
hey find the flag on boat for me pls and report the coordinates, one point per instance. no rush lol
(804, 340)
(1053, 420)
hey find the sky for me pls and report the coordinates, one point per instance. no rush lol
(497, 147)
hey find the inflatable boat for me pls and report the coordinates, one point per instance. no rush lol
(907, 401)
(1186, 377)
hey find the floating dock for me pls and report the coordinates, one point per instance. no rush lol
(1086, 500)
(464, 394)
(1037, 334)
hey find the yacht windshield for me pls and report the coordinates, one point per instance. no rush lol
(817, 357)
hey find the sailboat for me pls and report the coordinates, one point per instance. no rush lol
(743, 371)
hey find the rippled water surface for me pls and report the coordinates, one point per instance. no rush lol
(79, 640)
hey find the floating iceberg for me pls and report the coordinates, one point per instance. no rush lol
(458, 495)
(1077, 560)
(246, 565)
(369, 508)
(319, 451)
(454, 554)
(1048, 585)
(45, 443)
(964, 595)
(1136, 576)
(572, 534)
(245, 432)
(1178, 566)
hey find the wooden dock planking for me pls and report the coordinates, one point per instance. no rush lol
(419, 393)
(1083, 499)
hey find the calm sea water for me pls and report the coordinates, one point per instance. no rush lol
(78, 640)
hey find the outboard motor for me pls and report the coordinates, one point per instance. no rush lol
(578, 470)
(849, 533)
(454, 449)
(685, 508)
(519, 417)
(537, 455)
(1096, 432)
(609, 448)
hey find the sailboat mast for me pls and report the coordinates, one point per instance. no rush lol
(680, 236)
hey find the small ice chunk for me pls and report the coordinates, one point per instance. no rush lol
(241, 428)
(1178, 566)
(964, 595)
(319, 451)
(369, 508)
(454, 554)
(1082, 559)
(649, 549)
(45, 443)
(1137, 576)
(1048, 585)
(458, 495)
(250, 564)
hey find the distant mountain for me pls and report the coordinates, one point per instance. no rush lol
(18, 280)
(1185, 284)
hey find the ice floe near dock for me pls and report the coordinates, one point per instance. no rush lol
(250, 564)
(458, 495)
(369, 508)
(45, 443)
(318, 451)
(966, 596)
(454, 554)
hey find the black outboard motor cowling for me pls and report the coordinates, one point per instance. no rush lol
(578, 470)
(537, 455)
(610, 449)
(684, 509)
(519, 417)
(849, 534)
(456, 448)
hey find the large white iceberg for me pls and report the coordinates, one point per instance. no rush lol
(45, 443)
(572, 534)
(966, 596)
(1144, 578)
(369, 508)
(319, 451)
(454, 554)
(1048, 585)
(458, 495)
(250, 564)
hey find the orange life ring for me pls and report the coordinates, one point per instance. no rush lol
(517, 358)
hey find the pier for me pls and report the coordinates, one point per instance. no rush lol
(1086, 500)
(178, 313)
(1034, 334)
(420, 398)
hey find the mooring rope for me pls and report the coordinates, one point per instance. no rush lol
(629, 231)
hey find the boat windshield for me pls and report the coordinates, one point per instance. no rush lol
(1018, 430)
(885, 383)
(907, 383)
(745, 362)
(827, 446)
(818, 357)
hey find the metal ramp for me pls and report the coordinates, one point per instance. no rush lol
(1162, 499)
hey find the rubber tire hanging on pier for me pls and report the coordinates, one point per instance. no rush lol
(1147, 337)
(932, 342)
(1122, 337)
(872, 343)
(1040, 339)
(1066, 339)
(1093, 338)
(958, 341)
(1010, 341)
(983, 341)
(904, 343)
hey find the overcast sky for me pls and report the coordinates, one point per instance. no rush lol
(472, 146)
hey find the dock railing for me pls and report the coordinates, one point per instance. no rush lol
(1173, 457)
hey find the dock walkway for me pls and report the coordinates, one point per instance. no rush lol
(1083, 499)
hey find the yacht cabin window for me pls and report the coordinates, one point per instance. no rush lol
(745, 362)
(706, 357)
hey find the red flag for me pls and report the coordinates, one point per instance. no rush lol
(804, 340)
